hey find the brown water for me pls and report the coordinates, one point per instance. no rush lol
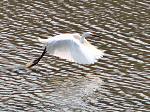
(117, 82)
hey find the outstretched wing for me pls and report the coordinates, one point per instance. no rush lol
(72, 50)
(95, 52)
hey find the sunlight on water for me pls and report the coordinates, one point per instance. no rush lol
(117, 82)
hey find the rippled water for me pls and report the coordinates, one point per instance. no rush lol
(117, 82)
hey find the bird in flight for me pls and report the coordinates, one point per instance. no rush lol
(72, 47)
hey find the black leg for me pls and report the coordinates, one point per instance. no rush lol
(34, 62)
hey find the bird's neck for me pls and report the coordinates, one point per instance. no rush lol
(82, 39)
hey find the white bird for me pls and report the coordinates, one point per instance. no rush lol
(72, 47)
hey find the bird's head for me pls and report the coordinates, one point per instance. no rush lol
(88, 34)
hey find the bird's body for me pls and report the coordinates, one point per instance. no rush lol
(72, 47)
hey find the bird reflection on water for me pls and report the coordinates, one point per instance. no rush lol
(73, 92)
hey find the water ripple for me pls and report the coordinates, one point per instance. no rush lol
(117, 82)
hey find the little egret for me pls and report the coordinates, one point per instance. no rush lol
(72, 47)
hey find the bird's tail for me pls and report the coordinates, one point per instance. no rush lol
(42, 40)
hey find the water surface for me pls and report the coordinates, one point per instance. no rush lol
(117, 82)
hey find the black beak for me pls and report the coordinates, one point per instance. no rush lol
(34, 62)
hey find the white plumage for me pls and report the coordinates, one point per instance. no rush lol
(72, 47)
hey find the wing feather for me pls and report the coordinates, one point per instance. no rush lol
(72, 50)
